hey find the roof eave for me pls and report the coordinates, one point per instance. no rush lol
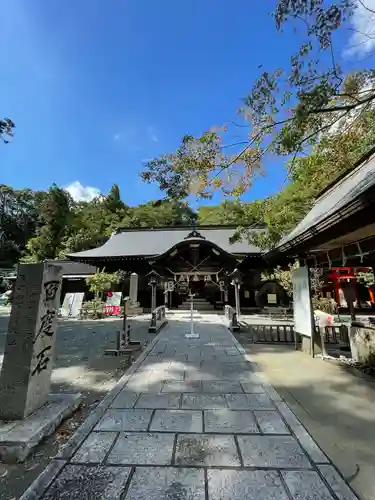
(339, 215)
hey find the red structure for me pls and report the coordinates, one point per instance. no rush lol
(336, 275)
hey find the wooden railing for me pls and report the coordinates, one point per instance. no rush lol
(158, 319)
(231, 318)
(274, 334)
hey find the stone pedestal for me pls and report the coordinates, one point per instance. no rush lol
(27, 365)
(312, 346)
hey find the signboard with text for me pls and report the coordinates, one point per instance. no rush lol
(301, 301)
(113, 298)
(271, 298)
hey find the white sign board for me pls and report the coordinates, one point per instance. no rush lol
(170, 286)
(114, 299)
(301, 301)
(72, 305)
(271, 298)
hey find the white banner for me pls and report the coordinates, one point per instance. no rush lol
(301, 301)
(72, 305)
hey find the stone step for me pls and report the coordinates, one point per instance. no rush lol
(207, 307)
(196, 306)
(196, 300)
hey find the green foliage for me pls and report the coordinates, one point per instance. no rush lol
(324, 304)
(162, 213)
(37, 225)
(367, 278)
(93, 309)
(18, 221)
(228, 212)
(308, 176)
(282, 276)
(101, 282)
(53, 221)
(113, 201)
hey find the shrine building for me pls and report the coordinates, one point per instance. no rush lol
(200, 260)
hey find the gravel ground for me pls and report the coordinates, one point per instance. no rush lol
(79, 366)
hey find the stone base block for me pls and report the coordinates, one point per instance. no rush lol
(192, 335)
(312, 347)
(157, 328)
(306, 344)
(118, 352)
(19, 437)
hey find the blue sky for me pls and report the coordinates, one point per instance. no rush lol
(96, 87)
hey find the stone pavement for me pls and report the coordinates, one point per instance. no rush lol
(193, 419)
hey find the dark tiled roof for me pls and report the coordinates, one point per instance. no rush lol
(340, 194)
(73, 268)
(148, 241)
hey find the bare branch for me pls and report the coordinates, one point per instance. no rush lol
(370, 36)
(240, 143)
(237, 124)
(344, 107)
(365, 6)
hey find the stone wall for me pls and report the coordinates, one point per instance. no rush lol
(362, 344)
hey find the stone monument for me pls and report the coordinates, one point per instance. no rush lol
(25, 379)
(27, 365)
(133, 295)
(133, 290)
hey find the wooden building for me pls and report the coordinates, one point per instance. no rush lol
(200, 259)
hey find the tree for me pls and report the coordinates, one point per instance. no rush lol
(113, 201)
(228, 212)
(101, 282)
(308, 176)
(162, 213)
(18, 221)
(285, 113)
(283, 276)
(54, 219)
(367, 278)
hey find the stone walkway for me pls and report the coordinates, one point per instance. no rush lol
(192, 420)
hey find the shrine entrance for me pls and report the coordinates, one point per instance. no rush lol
(201, 286)
(195, 266)
(197, 288)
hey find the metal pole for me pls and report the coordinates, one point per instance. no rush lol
(153, 297)
(237, 299)
(191, 315)
(192, 334)
(125, 306)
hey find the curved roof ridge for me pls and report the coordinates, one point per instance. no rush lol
(146, 242)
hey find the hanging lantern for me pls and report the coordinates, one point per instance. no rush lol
(196, 277)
